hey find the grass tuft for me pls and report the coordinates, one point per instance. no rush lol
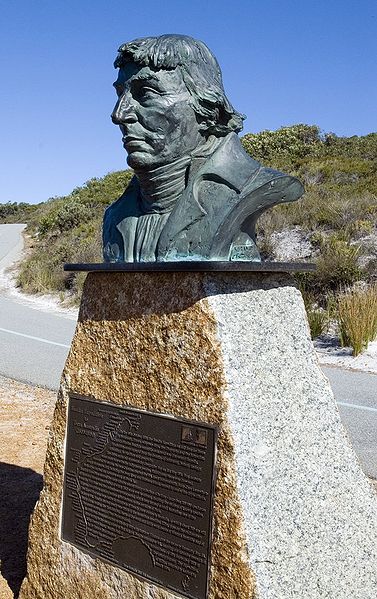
(357, 316)
(318, 317)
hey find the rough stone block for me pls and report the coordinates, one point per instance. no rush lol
(294, 516)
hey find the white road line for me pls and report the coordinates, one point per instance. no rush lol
(34, 338)
(352, 405)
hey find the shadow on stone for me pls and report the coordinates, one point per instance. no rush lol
(19, 491)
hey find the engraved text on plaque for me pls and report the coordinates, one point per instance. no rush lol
(138, 491)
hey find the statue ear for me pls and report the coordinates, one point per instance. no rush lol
(203, 126)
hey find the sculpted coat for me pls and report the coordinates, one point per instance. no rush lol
(215, 217)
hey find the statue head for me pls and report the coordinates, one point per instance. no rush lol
(170, 99)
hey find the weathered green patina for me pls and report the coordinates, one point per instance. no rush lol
(196, 194)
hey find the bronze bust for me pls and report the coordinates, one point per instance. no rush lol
(196, 194)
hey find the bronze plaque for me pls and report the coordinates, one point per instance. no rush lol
(138, 492)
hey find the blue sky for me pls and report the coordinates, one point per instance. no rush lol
(283, 62)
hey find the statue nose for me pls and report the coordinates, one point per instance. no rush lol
(124, 112)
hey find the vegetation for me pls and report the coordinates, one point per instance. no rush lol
(337, 216)
(67, 229)
(340, 178)
(337, 263)
(357, 315)
(12, 212)
(318, 319)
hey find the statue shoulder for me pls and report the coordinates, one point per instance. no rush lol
(119, 209)
(275, 186)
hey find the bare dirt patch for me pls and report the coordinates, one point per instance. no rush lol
(25, 416)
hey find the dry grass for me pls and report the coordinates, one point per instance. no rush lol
(357, 315)
(318, 317)
(318, 321)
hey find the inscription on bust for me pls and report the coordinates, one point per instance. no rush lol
(241, 253)
(138, 492)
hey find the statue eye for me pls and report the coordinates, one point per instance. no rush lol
(146, 90)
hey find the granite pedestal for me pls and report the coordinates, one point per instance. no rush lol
(294, 516)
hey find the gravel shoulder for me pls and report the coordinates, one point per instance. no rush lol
(25, 416)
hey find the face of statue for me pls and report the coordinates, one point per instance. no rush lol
(153, 112)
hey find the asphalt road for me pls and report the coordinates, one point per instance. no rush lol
(356, 395)
(11, 244)
(34, 344)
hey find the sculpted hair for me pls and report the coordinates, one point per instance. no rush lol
(200, 71)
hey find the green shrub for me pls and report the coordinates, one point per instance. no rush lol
(13, 212)
(337, 264)
(318, 318)
(68, 229)
(287, 143)
(318, 321)
(66, 215)
(38, 275)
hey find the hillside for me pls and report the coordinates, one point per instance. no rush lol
(64, 229)
(334, 223)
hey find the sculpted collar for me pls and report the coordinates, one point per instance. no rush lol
(162, 186)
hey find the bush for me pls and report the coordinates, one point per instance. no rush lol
(38, 275)
(318, 318)
(357, 314)
(66, 215)
(318, 321)
(12, 212)
(68, 229)
(42, 272)
(287, 143)
(337, 265)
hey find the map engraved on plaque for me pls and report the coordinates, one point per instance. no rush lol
(138, 492)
